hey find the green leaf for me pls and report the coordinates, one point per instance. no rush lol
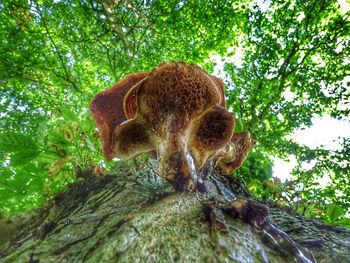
(13, 142)
(345, 222)
(334, 212)
(24, 157)
(239, 126)
(69, 115)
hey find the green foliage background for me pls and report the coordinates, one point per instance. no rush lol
(56, 55)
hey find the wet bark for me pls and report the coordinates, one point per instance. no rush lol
(134, 216)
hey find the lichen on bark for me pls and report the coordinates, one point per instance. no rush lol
(135, 216)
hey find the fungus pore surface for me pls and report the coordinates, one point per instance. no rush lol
(176, 113)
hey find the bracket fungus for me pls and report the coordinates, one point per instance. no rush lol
(177, 113)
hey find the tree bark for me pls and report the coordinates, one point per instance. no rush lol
(134, 216)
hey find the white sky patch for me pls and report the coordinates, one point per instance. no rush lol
(301, 16)
(264, 5)
(344, 6)
(219, 67)
(235, 56)
(238, 55)
(282, 169)
(288, 95)
(325, 132)
(318, 59)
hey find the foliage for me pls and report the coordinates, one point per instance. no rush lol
(285, 62)
(57, 56)
(295, 66)
(37, 166)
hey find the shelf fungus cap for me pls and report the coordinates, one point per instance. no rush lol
(241, 144)
(109, 110)
(176, 113)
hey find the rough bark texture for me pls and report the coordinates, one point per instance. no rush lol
(136, 217)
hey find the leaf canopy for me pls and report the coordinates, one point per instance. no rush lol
(285, 62)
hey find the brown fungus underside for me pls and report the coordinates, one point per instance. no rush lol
(177, 113)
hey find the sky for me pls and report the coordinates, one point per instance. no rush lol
(325, 131)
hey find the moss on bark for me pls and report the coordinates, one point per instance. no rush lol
(136, 217)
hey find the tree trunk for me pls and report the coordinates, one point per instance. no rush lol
(135, 216)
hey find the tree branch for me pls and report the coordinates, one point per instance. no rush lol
(109, 7)
(66, 77)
